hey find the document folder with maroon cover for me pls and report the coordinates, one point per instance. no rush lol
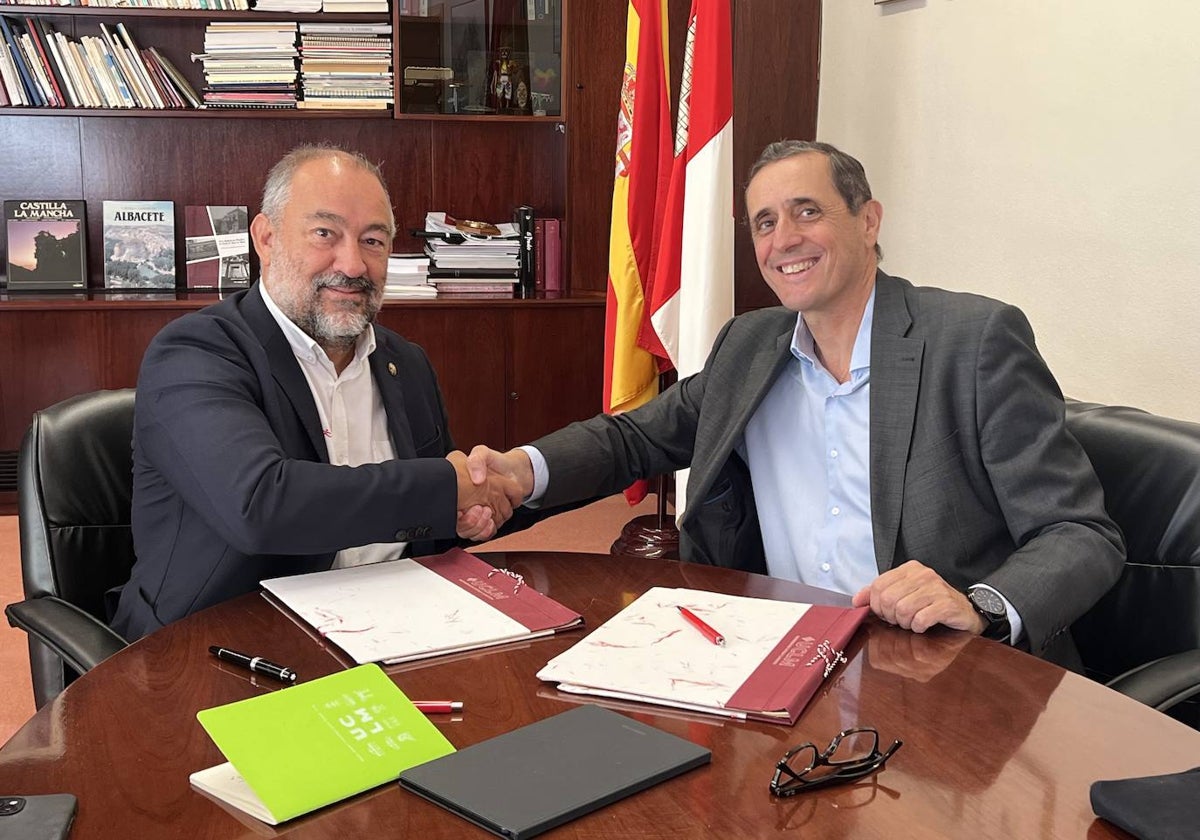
(774, 657)
(414, 608)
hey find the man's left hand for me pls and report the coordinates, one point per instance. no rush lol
(476, 524)
(915, 597)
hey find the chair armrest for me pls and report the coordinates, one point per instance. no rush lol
(1163, 682)
(80, 639)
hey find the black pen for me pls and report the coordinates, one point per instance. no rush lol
(254, 663)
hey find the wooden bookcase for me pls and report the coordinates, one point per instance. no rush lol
(471, 166)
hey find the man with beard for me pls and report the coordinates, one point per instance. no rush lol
(280, 431)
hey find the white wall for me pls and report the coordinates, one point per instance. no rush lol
(1044, 152)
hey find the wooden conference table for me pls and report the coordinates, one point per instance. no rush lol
(997, 744)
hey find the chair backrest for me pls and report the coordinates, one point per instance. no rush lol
(75, 485)
(1149, 467)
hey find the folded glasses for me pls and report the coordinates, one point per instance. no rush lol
(852, 754)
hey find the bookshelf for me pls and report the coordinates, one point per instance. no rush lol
(474, 166)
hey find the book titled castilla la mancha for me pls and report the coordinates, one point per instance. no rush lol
(46, 243)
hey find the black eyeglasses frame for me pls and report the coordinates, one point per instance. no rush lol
(842, 771)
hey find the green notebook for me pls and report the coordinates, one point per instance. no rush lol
(301, 748)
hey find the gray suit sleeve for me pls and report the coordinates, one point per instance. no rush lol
(606, 454)
(1069, 551)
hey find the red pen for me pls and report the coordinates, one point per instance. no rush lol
(695, 620)
(438, 707)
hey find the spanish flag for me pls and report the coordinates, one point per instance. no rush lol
(643, 169)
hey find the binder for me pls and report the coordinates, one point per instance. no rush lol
(774, 655)
(397, 611)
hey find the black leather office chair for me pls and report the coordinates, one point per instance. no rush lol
(1143, 637)
(75, 480)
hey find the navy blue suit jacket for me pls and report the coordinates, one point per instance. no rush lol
(232, 481)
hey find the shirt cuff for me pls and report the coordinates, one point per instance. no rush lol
(1015, 625)
(541, 476)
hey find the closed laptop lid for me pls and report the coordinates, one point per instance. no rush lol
(542, 775)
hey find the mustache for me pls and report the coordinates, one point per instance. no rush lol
(338, 280)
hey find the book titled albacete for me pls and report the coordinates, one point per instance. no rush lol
(139, 244)
(775, 656)
(46, 244)
(414, 608)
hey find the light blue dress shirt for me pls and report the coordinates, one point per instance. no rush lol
(808, 448)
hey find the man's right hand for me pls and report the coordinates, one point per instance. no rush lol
(513, 465)
(496, 491)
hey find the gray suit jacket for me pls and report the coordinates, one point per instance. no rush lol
(973, 471)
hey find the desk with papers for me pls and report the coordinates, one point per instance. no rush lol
(996, 743)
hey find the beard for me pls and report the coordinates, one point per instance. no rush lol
(336, 323)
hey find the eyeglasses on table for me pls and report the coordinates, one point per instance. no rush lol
(852, 754)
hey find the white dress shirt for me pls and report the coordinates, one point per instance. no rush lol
(353, 419)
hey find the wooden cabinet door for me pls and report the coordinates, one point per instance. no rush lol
(557, 368)
(467, 349)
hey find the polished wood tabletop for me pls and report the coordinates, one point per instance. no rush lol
(997, 744)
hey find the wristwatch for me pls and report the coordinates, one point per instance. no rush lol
(990, 605)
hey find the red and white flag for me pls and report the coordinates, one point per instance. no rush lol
(691, 293)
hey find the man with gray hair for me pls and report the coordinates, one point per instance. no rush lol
(904, 445)
(281, 431)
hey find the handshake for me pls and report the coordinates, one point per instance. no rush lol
(490, 485)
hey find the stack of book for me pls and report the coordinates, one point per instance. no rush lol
(372, 6)
(466, 263)
(249, 64)
(287, 5)
(42, 68)
(407, 276)
(346, 65)
(216, 5)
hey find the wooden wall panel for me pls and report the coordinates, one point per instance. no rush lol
(225, 161)
(484, 170)
(776, 69)
(594, 73)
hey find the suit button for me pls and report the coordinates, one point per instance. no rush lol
(402, 535)
(424, 532)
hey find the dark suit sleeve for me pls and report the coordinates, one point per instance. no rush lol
(1070, 553)
(212, 424)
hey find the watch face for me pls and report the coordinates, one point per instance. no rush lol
(988, 601)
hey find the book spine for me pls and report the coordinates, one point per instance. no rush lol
(554, 264)
(43, 57)
(87, 77)
(12, 80)
(178, 79)
(523, 217)
(139, 67)
(141, 97)
(38, 71)
(539, 255)
(62, 70)
(32, 95)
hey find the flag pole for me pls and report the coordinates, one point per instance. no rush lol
(652, 535)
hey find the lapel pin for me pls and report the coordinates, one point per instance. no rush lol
(392, 368)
